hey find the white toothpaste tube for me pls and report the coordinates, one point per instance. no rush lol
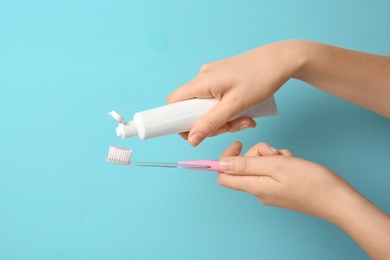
(180, 117)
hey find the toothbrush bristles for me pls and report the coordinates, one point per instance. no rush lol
(119, 155)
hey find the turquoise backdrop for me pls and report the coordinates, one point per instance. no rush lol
(65, 63)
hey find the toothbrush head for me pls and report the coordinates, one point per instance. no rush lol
(119, 155)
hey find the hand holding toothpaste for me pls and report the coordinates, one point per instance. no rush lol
(238, 82)
(249, 78)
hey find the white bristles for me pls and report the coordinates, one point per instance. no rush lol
(119, 155)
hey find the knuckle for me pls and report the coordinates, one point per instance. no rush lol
(221, 179)
(244, 166)
(170, 98)
(286, 152)
(206, 77)
(223, 129)
(207, 67)
(265, 200)
(204, 81)
(240, 165)
(261, 145)
(212, 124)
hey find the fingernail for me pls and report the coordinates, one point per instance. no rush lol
(254, 123)
(195, 138)
(226, 165)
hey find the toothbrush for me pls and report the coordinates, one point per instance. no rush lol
(122, 156)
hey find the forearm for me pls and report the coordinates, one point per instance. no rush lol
(361, 78)
(364, 222)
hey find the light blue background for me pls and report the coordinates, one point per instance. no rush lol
(65, 64)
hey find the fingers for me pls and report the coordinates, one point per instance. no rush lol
(241, 123)
(286, 153)
(256, 185)
(211, 84)
(184, 135)
(256, 172)
(237, 182)
(221, 113)
(262, 149)
(233, 181)
(261, 166)
(262, 160)
(233, 150)
(193, 89)
(233, 126)
(259, 160)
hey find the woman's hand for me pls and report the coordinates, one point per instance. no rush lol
(249, 78)
(279, 179)
(238, 82)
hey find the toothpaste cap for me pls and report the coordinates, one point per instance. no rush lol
(116, 116)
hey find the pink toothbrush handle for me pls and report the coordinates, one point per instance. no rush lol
(212, 165)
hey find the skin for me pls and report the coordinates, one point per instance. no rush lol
(276, 177)
(246, 79)
(279, 179)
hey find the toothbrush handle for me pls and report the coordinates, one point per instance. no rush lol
(213, 165)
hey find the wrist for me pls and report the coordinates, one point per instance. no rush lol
(363, 221)
(346, 205)
(288, 58)
(301, 54)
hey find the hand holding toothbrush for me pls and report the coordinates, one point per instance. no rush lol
(279, 179)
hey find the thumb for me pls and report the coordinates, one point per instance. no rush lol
(218, 116)
(244, 165)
